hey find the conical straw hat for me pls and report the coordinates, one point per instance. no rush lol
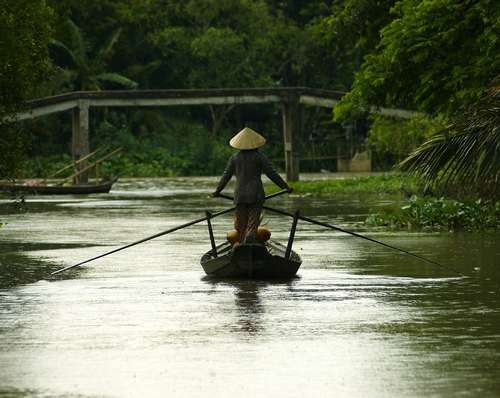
(247, 139)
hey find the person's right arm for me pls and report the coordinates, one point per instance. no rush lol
(228, 173)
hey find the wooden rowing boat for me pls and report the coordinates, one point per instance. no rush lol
(255, 261)
(103, 186)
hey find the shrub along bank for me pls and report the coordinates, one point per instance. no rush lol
(383, 184)
(440, 214)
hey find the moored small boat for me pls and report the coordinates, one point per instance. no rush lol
(103, 186)
(255, 261)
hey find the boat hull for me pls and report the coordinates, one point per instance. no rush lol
(84, 189)
(253, 261)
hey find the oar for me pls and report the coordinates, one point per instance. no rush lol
(159, 234)
(273, 195)
(188, 224)
(326, 225)
(330, 226)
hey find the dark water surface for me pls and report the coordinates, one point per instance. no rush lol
(359, 321)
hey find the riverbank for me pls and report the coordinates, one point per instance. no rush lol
(429, 213)
(404, 205)
(387, 183)
(409, 209)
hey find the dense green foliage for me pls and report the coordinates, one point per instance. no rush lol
(466, 156)
(392, 139)
(435, 56)
(440, 213)
(24, 34)
(177, 149)
(83, 69)
(190, 44)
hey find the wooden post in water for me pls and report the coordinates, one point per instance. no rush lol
(80, 141)
(291, 129)
(292, 234)
(211, 233)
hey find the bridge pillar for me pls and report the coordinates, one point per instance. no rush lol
(80, 140)
(291, 132)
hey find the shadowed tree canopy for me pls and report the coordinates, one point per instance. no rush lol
(467, 154)
(435, 56)
(25, 30)
(82, 68)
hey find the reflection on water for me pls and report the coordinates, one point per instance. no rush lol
(249, 307)
(248, 304)
(358, 321)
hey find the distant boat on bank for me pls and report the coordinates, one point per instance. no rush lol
(33, 188)
(70, 185)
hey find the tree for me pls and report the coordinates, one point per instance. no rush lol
(212, 44)
(466, 154)
(85, 69)
(24, 34)
(435, 56)
(393, 139)
(353, 29)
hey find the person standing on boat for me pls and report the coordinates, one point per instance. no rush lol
(248, 165)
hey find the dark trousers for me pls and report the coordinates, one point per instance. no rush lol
(247, 220)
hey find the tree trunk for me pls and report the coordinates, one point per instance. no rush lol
(219, 113)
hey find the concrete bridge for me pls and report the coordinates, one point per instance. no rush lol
(290, 98)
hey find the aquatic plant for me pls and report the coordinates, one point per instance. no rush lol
(380, 184)
(440, 213)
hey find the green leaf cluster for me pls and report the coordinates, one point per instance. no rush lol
(83, 68)
(434, 56)
(179, 148)
(464, 157)
(392, 139)
(440, 213)
(25, 31)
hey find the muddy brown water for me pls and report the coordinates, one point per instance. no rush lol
(358, 321)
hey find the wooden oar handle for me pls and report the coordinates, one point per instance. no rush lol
(273, 195)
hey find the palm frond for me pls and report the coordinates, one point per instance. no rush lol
(76, 40)
(61, 54)
(143, 71)
(105, 51)
(467, 153)
(116, 78)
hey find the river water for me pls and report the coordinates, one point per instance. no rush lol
(359, 320)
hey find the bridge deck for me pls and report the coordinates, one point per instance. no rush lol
(291, 99)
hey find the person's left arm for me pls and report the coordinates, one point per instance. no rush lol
(273, 175)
